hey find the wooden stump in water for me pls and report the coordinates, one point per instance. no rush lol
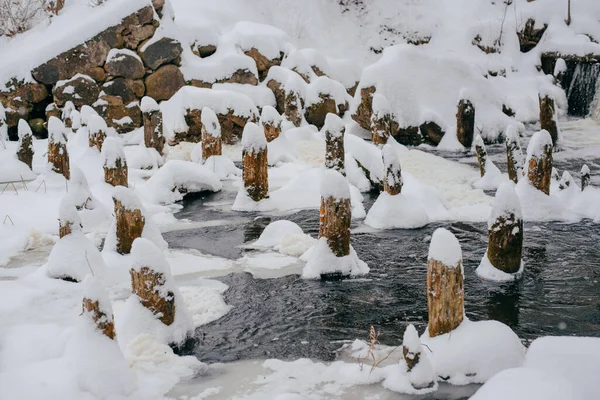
(147, 284)
(129, 221)
(585, 177)
(96, 306)
(334, 224)
(465, 122)
(392, 183)
(58, 156)
(25, 145)
(514, 155)
(505, 233)
(539, 161)
(547, 117)
(255, 173)
(334, 143)
(481, 154)
(445, 284)
(153, 125)
(381, 120)
(271, 123)
(115, 164)
(211, 134)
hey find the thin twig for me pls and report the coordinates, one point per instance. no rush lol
(9, 218)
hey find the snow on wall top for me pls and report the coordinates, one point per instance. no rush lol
(267, 39)
(189, 97)
(149, 104)
(415, 80)
(77, 23)
(444, 247)
(119, 54)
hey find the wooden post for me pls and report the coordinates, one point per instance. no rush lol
(505, 231)
(293, 107)
(3, 125)
(68, 217)
(445, 283)
(211, 134)
(255, 173)
(547, 117)
(566, 181)
(96, 306)
(465, 122)
(67, 110)
(555, 175)
(334, 143)
(115, 164)
(25, 146)
(381, 120)
(392, 183)
(150, 278)
(79, 190)
(412, 351)
(153, 125)
(336, 212)
(539, 161)
(481, 154)
(58, 155)
(514, 154)
(271, 123)
(97, 131)
(129, 218)
(585, 177)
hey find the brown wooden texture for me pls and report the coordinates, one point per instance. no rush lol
(96, 139)
(539, 170)
(512, 149)
(334, 151)
(211, 145)
(481, 157)
(381, 130)
(147, 285)
(58, 157)
(25, 150)
(104, 323)
(547, 120)
(465, 122)
(130, 225)
(505, 243)
(445, 297)
(334, 224)
(255, 174)
(272, 130)
(117, 176)
(153, 131)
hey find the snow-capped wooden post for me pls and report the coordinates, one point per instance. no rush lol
(153, 125)
(423, 377)
(505, 230)
(67, 110)
(271, 123)
(392, 183)
(115, 164)
(566, 181)
(96, 306)
(336, 213)
(334, 143)
(25, 146)
(255, 172)
(97, 131)
(58, 156)
(481, 154)
(547, 116)
(514, 154)
(68, 217)
(465, 121)
(381, 120)
(3, 124)
(445, 283)
(129, 218)
(293, 107)
(151, 280)
(75, 120)
(539, 161)
(555, 175)
(585, 177)
(211, 134)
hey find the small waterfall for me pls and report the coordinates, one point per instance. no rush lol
(580, 81)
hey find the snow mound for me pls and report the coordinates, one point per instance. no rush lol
(285, 237)
(396, 212)
(467, 355)
(323, 261)
(75, 256)
(184, 177)
(14, 170)
(486, 270)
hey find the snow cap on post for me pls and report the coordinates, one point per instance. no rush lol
(145, 253)
(148, 104)
(334, 143)
(68, 217)
(210, 122)
(56, 130)
(253, 138)
(97, 306)
(539, 161)
(334, 184)
(506, 202)
(115, 163)
(271, 122)
(444, 247)
(585, 177)
(75, 120)
(85, 114)
(566, 181)
(24, 128)
(97, 131)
